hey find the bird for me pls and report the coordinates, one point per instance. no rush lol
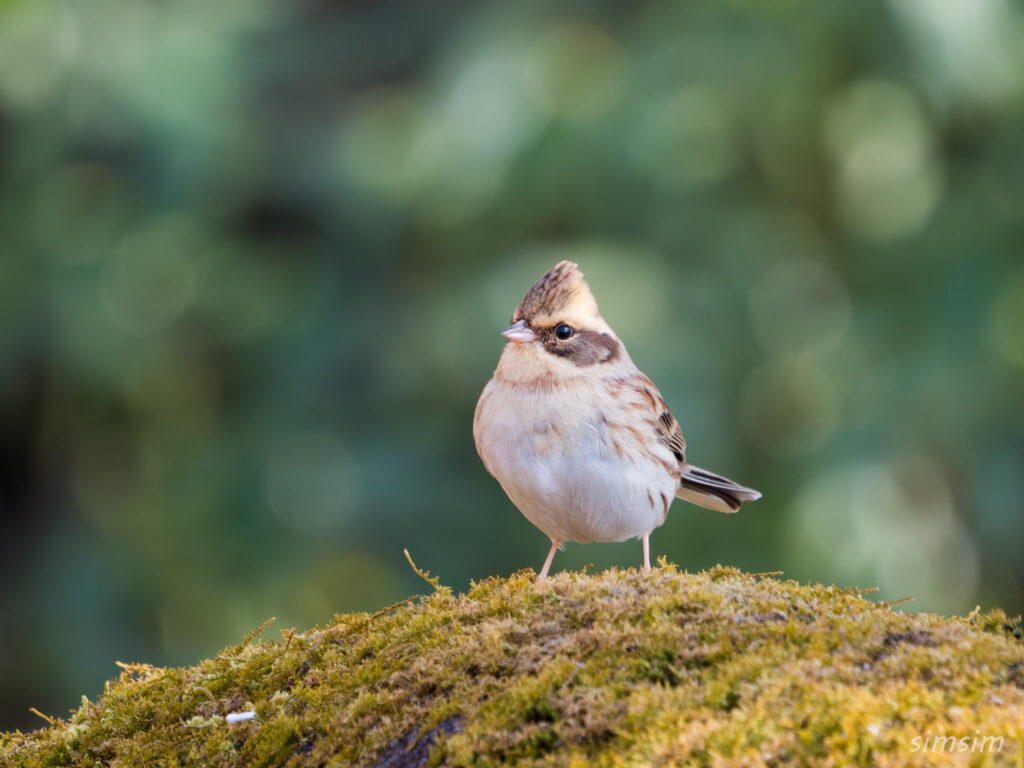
(577, 436)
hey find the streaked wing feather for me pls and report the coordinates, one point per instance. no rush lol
(672, 433)
(669, 431)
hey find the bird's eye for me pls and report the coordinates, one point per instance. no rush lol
(563, 332)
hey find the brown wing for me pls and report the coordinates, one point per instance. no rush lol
(669, 431)
(672, 434)
(697, 486)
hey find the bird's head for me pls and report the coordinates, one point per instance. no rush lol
(557, 328)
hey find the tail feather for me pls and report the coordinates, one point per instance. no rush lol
(713, 491)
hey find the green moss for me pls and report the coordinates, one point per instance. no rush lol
(612, 669)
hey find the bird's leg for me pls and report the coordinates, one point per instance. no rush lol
(647, 554)
(547, 563)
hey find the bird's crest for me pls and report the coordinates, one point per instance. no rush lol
(560, 290)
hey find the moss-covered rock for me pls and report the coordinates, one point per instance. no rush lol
(620, 668)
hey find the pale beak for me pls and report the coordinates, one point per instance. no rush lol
(519, 333)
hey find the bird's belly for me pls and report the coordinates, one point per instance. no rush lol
(560, 466)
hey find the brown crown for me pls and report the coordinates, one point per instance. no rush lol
(557, 289)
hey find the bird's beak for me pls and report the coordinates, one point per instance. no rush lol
(519, 333)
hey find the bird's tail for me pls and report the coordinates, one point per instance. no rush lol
(713, 491)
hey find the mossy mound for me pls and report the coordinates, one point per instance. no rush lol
(619, 668)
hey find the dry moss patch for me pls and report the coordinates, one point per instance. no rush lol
(619, 668)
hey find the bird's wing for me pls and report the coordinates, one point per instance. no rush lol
(671, 433)
(668, 429)
(696, 485)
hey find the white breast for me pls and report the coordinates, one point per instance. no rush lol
(553, 454)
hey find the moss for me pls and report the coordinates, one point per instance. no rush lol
(617, 668)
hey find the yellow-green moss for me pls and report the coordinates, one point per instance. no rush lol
(619, 668)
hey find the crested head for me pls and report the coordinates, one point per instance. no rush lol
(557, 329)
(560, 295)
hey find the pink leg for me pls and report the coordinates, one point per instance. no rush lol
(547, 563)
(647, 554)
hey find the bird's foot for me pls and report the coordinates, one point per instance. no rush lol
(547, 563)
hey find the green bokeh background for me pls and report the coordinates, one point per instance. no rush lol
(255, 256)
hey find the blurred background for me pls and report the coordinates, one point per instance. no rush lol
(255, 257)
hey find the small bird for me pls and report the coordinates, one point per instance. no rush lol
(578, 437)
